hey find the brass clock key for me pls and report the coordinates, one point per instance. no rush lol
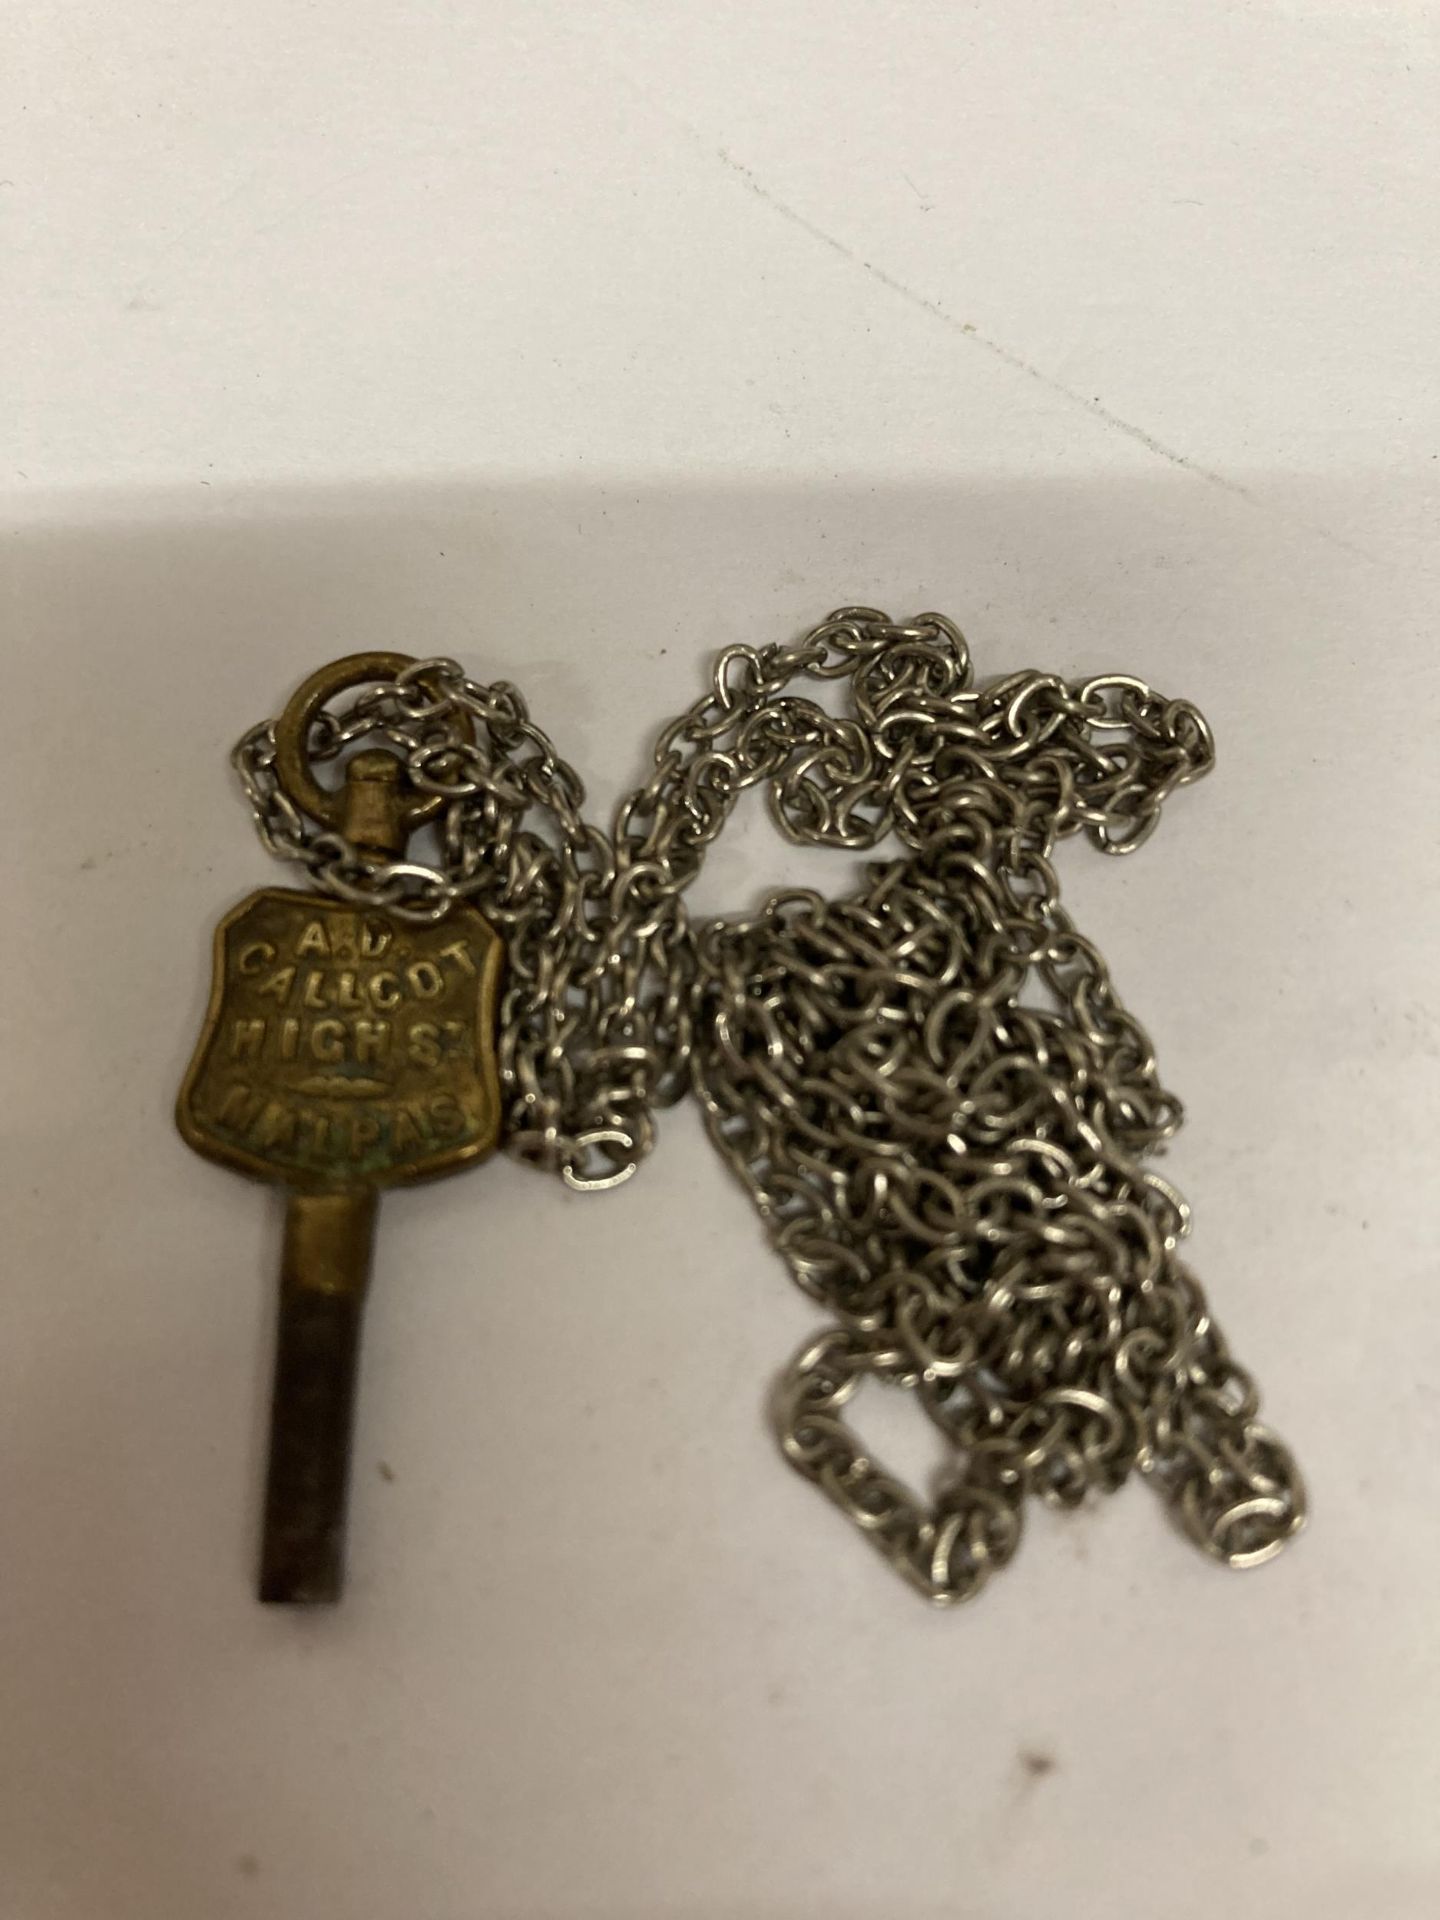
(345, 1049)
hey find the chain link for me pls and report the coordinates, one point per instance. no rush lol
(929, 1086)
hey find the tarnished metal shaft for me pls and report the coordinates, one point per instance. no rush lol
(323, 1274)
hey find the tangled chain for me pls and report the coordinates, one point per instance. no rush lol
(929, 1086)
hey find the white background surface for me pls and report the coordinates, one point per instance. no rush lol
(579, 341)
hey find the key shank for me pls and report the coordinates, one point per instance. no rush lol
(324, 1271)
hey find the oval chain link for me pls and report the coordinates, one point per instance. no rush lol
(929, 1086)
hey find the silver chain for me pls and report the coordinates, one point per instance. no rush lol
(929, 1086)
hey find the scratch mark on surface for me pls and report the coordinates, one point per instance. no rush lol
(999, 351)
(136, 300)
(327, 187)
(926, 206)
(982, 340)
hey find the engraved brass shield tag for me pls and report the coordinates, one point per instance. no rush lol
(345, 1047)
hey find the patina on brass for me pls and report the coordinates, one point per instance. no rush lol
(345, 1048)
(343, 1051)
